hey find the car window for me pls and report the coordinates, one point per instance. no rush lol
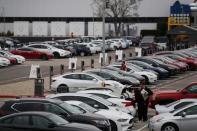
(86, 77)
(43, 47)
(32, 106)
(79, 108)
(192, 89)
(2, 53)
(35, 46)
(182, 104)
(53, 109)
(105, 75)
(189, 111)
(72, 76)
(24, 49)
(41, 122)
(17, 120)
(101, 95)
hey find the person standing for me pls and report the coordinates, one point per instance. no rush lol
(146, 93)
(140, 103)
(123, 66)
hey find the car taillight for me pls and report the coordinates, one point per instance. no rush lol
(127, 103)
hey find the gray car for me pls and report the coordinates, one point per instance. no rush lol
(183, 119)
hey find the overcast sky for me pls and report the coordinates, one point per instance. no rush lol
(76, 8)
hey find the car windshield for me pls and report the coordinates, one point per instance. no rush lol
(70, 108)
(135, 68)
(147, 40)
(114, 73)
(158, 61)
(57, 120)
(88, 108)
(101, 100)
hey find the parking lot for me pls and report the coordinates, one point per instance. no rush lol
(14, 80)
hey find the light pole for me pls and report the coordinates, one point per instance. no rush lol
(92, 17)
(104, 4)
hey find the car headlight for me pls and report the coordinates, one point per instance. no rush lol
(101, 122)
(122, 120)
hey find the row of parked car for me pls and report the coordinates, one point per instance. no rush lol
(100, 99)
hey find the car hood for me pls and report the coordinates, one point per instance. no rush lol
(115, 114)
(162, 109)
(79, 127)
(164, 116)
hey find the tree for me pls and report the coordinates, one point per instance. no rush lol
(117, 9)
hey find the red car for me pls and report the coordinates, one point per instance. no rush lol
(191, 62)
(168, 96)
(30, 53)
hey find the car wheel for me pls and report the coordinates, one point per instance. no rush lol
(56, 55)
(63, 89)
(82, 54)
(44, 57)
(169, 127)
(113, 125)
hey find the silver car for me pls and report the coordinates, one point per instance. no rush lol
(183, 119)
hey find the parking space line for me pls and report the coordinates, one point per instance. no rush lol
(142, 128)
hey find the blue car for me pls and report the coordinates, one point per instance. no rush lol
(162, 72)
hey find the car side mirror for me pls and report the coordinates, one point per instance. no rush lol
(52, 125)
(183, 114)
(184, 92)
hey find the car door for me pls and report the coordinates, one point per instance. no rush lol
(188, 122)
(73, 81)
(16, 123)
(190, 92)
(89, 81)
(40, 123)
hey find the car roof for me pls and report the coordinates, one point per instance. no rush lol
(106, 92)
(28, 113)
(36, 100)
(68, 94)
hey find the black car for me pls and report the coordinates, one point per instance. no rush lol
(81, 50)
(162, 72)
(113, 75)
(40, 121)
(171, 70)
(57, 107)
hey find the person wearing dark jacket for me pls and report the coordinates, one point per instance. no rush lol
(140, 103)
(146, 93)
(123, 66)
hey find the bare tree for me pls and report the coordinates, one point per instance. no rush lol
(116, 9)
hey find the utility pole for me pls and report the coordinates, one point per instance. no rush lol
(105, 6)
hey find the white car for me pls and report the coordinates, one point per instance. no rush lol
(51, 50)
(149, 76)
(120, 41)
(72, 82)
(93, 47)
(92, 100)
(174, 105)
(121, 120)
(4, 62)
(183, 119)
(114, 45)
(108, 95)
(20, 59)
